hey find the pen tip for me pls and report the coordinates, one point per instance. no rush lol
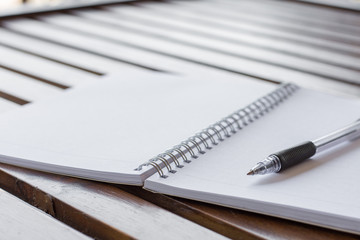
(251, 172)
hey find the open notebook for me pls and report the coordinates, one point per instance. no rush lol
(196, 138)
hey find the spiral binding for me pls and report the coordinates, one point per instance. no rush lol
(218, 132)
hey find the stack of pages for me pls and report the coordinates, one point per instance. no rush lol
(196, 138)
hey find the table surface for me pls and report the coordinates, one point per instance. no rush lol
(105, 211)
(79, 209)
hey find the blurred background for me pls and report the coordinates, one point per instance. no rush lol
(12, 4)
(19, 7)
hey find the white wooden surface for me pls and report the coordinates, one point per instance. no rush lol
(115, 211)
(19, 220)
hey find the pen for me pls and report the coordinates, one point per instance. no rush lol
(289, 157)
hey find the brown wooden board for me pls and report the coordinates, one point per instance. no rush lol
(97, 209)
(107, 211)
(19, 220)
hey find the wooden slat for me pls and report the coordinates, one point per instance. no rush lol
(26, 51)
(346, 5)
(245, 65)
(289, 16)
(238, 224)
(141, 19)
(238, 14)
(279, 59)
(108, 211)
(14, 69)
(6, 105)
(25, 87)
(132, 56)
(156, 48)
(68, 55)
(59, 7)
(163, 9)
(44, 69)
(13, 98)
(39, 30)
(299, 10)
(99, 210)
(19, 220)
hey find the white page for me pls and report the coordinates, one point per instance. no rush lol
(322, 191)
(106, 130)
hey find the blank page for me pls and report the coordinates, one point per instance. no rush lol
(106, 130)
(323, 190)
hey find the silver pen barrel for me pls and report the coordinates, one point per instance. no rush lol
(347, 133)
(289, 157)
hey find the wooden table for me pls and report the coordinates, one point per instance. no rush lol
(105, 211)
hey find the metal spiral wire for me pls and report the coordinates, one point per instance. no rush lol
(215, 133)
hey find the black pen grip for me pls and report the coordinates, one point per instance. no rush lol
(296, 154)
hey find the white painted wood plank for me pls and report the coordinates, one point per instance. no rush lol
(293, 62)
(237, 13)
(222, 23)
(252, 67)
(40, 29)
(146, 17)
(26, 88)
(43, 68)
(259, 8)
(134, 55)
(19, 220)
(57, 52)
(6, 105)
(303, 11)
(119, 210)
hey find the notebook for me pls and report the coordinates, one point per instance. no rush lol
(196, 138)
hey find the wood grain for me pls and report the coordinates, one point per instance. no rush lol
(105, 211)
(238, 224)
(13, 98)
(97, 209)
(19, 220)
